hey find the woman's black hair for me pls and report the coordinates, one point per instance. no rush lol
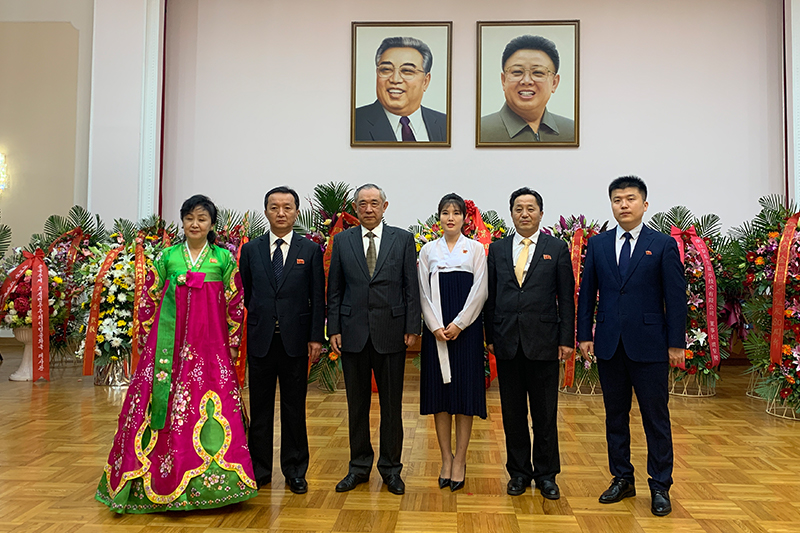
(452, 199)
(204, 202)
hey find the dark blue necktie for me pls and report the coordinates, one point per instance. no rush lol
(277, 260)
(407, 133)
(625, 255)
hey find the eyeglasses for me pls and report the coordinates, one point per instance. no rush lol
(537, 72)
(407, 73)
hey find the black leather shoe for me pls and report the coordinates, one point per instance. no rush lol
(298, 485)
(350, 482)
(618, 491)
(443, 482)
(263, 481)
(395, 484)
(458, 485)
(549, 489)
(660, 506)
(517, 486)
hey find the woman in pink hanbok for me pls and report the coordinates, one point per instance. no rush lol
(180, 441)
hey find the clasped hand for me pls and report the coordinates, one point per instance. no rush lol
(450, 333)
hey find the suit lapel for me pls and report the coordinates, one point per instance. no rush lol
(645, 237)
(610, 251)
(358, 250)
(386, 245)
(538, 252)
(291, 258)
(509, 255)
(263, 249)
(381, 128)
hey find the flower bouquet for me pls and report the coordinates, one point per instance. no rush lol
(770, 268)
(32, 282)
(108, 318)
(485, 227)
(578, 375)
(330, 212)
(707, 337)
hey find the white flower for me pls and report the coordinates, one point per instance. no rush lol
(122, 297)
(112, 289)
(8, 318)
(116, 343)
(51, 301)
(699, 336)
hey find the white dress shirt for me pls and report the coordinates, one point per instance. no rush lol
(287, 240)
(435, 257)
(516, 250)
(415, 121)
(378, 232)
(635, 232)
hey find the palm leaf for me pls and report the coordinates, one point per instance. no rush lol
(227, 219)
(126, 228)
(308, 220)
(256, 224)
(708, 226)
(5, 239)
(332, 198)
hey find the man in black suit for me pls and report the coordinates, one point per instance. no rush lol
(640, 332)
(403, 67)
(284, 292)
(374, 315)
(530, 326)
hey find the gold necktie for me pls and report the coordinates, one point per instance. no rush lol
(372, 256)
(519, 268)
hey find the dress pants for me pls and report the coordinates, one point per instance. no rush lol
(389, 372)
(291, 373)
(523, 381)
(619, 376)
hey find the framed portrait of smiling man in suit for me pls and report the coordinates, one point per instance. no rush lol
(400, 85)
(528, 81)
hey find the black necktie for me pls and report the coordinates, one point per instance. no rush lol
(406, 132)
(625, 255)
(277, 260)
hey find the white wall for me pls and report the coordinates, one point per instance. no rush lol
(685, 94)
(79, 14)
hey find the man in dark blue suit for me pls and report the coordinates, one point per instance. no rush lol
(640, 333)
(284, 292)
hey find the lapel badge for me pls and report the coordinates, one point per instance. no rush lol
(648, 252)
(463, 251)
(545, 256)
(301, 262)
(212, 260)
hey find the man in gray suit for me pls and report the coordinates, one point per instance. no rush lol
(374, 314)
(403, 67)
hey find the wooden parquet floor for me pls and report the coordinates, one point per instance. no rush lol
(737, 470)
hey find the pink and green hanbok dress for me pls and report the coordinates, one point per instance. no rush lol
(180, 441)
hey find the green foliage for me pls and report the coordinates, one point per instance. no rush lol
(707, 226)
(125, 228)
(327, 372)
(5, 239)
(56, 225)
(328, 200)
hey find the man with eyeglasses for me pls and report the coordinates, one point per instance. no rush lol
(530, 76)
(374, 315)
(403, 73)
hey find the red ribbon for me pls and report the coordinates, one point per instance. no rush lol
(779, 290)
(575, 248)
(138, 288)
(40, 308)
(94, 312)
(711, 287)
(241, 361)
(336, 229)
(482, 234)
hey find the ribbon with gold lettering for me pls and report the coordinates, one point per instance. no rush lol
(139, 273)
(72, 253)
(575, 249)
(711, 287)
(94, 311)
(40, 308)
(779, 290)
(337, 228)
(241, 362)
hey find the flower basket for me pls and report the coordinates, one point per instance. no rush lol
(586, 382)
(697, 385)
(782, 408)
(756, 379)
(115, 373)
